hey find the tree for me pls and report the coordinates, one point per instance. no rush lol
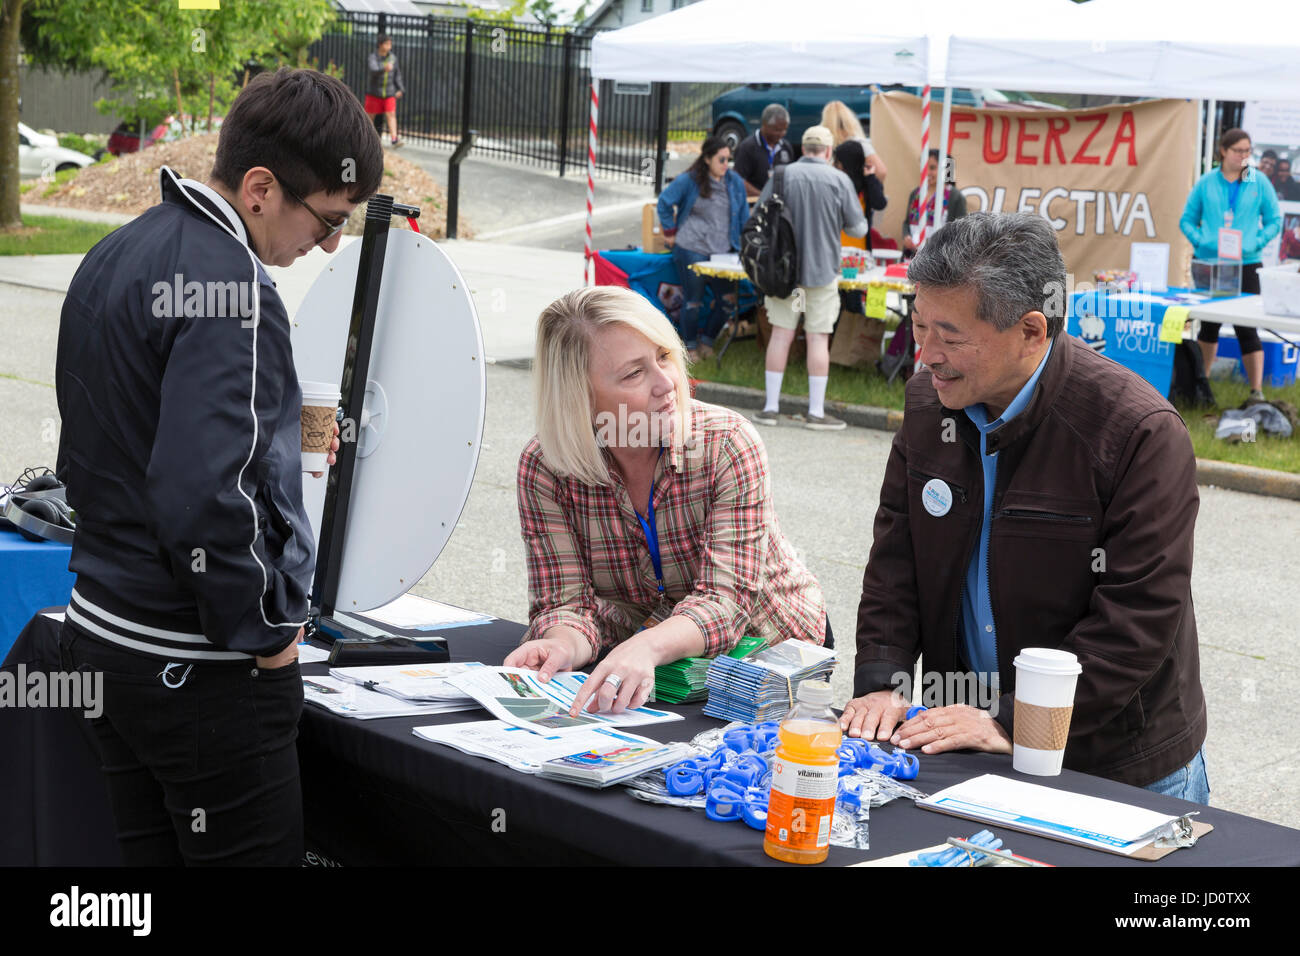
(11, 15)
(157, 55)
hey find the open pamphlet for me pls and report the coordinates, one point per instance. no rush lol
(1057, 814)
(349, 699)
(419, 683)
(596, 757)
(518, 697)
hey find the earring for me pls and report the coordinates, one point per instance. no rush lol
(256, 208)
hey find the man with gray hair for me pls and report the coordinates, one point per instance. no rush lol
(1037, 495)
(758, 155)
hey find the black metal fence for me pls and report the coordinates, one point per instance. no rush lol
(524, 90)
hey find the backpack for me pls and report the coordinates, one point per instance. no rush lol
(767, 249)
(1189, 385)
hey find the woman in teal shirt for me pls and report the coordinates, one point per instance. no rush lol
(1234, 196)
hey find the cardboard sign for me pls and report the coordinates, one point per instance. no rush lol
(1104, 178)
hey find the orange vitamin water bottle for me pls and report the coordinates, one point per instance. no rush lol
(805, 779)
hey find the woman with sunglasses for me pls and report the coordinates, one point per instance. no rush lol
(181, 451)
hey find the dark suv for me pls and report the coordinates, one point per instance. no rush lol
(736, 112)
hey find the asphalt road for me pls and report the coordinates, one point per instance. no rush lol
(531, 206)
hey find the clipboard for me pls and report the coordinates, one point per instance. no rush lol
(1094, 823)
(1148, 853)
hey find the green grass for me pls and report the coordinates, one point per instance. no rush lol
(1267, 451)
(743, 365)
(57, 183)
(48, 235)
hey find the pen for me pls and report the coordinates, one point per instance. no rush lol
(1003, 854)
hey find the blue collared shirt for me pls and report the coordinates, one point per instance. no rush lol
(979, 630)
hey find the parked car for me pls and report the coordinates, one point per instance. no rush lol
(39, 154)
(736, 112)
(126, 138)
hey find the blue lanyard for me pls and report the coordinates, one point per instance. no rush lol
(1234, 193)
(652, 533)
(771, 150)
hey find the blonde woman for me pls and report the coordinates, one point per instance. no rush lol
(647, 517)
(844, 125)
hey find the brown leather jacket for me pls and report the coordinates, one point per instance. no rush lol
(1097, 460)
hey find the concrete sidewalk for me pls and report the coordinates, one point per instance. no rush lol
(510, 284)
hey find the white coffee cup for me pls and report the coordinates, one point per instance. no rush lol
(1045, 683)
(320, 403)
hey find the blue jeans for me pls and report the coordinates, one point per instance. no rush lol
(692, 330)
(1186, 783)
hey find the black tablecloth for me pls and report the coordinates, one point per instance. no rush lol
(374, 793)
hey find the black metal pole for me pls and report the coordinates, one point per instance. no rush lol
(466, 137)
(566, 94)
(356, 368)
(661, 136)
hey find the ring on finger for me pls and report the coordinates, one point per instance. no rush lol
(614, 680)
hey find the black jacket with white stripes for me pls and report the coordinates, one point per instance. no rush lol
(181, 438)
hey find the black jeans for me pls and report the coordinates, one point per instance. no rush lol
(203, 772)
(1247, 336)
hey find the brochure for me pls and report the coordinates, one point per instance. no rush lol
(353, 700)
(527, 752)
(518, 697)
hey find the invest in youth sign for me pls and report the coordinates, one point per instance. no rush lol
(1104, 178)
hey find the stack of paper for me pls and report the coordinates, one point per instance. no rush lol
(417, 683)
(615, 761)
(683, 681)
(349, 699)
(762, 687)
(596, 757)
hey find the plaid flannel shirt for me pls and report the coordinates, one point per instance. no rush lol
(726, 565)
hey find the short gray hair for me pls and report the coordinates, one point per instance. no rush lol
(1012, 261)
(772, 113)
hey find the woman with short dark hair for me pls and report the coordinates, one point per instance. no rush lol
(182, 454)
(702, 212)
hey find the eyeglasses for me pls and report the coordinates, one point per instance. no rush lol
(333, 228)
(1245, 151)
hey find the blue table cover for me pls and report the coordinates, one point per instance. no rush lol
(33, 575)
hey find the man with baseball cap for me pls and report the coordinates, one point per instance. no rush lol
(822, 203)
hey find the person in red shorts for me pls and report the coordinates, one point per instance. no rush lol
(386, 85)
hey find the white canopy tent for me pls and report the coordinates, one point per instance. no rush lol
(1197, 49)
(768, 41)
(1158, 48)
